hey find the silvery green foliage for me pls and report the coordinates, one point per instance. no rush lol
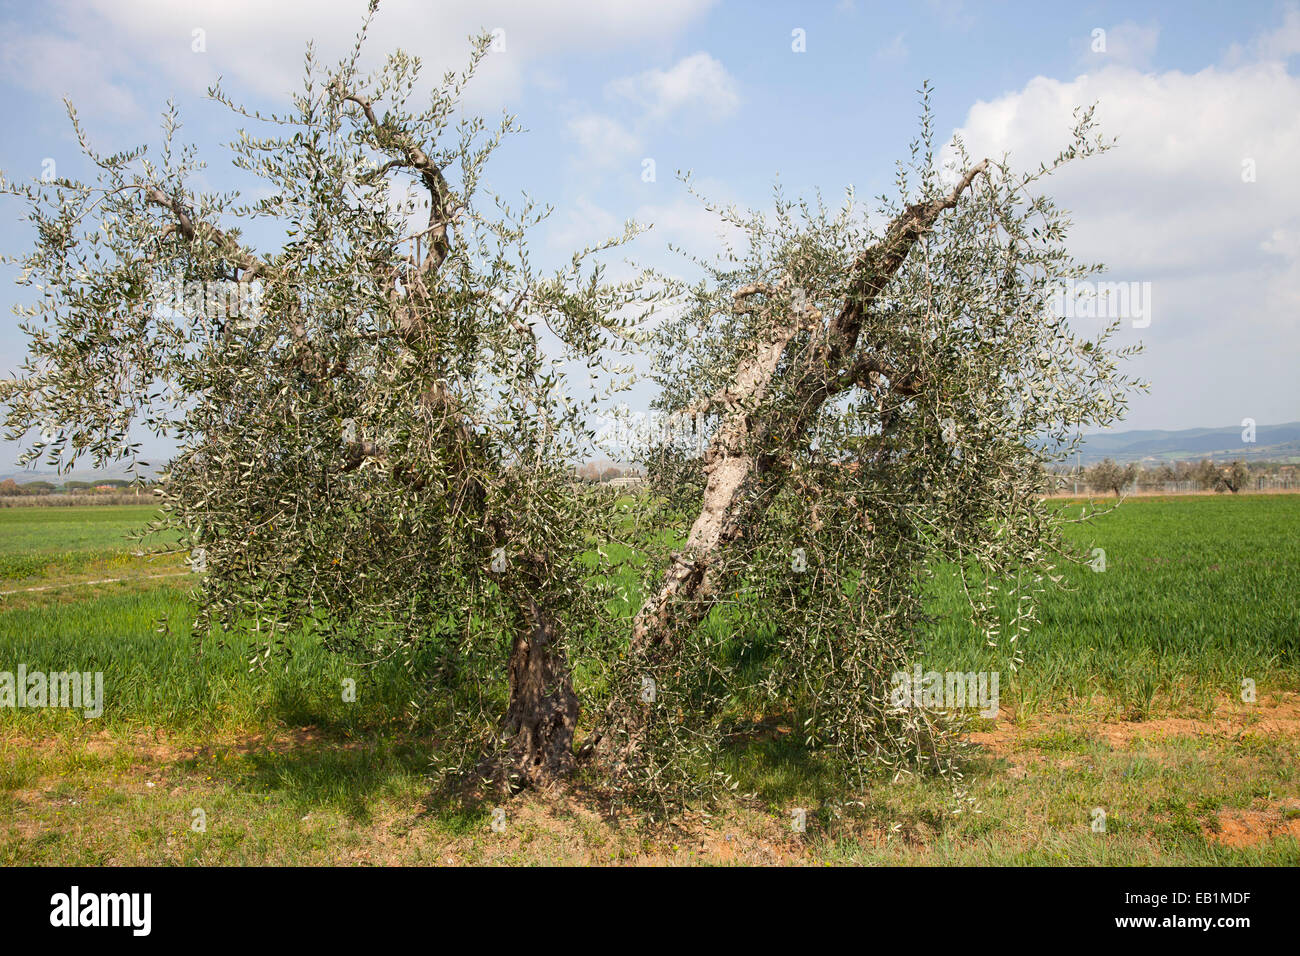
(922, 445)
(376, 432)
(375, 429)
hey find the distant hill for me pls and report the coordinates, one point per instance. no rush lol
(1272, 442)
(23, 476)
(157, 452)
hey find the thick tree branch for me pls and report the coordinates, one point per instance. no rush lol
(752, 445)
(868, 369)
(412, 156)
(874, 267)
(734, 458)
(251, 266)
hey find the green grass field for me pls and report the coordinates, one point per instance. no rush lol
(1198, 594)
(38, 544)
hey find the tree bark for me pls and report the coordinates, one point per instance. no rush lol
(543, 709)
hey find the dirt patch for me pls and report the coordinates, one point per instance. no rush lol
(1242, 828)
(575, 834)
(1278, 716)
(1004, 738)
(556, 830)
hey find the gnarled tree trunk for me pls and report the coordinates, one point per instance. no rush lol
(543, 709)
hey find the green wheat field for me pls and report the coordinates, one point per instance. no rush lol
(1128, 697)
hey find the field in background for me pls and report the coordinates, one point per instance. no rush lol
(1197, 594)
(1128, 699)
(41, 546)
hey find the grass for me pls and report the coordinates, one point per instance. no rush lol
(1168, 801)
(165, 678)
(1197, 594)
(51, 543)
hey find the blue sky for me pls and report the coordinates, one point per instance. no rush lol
(1193, 91)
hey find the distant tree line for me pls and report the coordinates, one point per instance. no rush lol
(9, 488)
(593, 473)
(1109, 477)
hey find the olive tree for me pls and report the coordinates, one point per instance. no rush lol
(1221, 478)
(375, 442)
(874, 398)
(1106, 475)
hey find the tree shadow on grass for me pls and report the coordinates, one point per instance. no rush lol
(776, 767)
(324, 753)
(347, 775)
(769, 760)
(311, 769)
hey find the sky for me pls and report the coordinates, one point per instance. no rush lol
(1199, 202)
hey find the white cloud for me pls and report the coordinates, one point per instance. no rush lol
(683, 223)
(1170, 198)
(604, 141)
(1169, 206)
(1274, 45)
(952, 14)
(894, 53)
(695, 86)
(686, 224)
(581, 224)
(40, 63)
(697, 83)
(259, 46)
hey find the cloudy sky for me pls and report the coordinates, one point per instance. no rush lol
(1201, 199)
